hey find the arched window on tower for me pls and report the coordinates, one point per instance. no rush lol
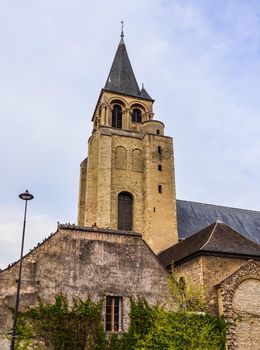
(125, 211)
(136, 116)
(117, 117)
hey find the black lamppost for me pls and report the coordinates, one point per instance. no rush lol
(26, 196)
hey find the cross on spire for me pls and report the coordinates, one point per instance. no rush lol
(122, 31)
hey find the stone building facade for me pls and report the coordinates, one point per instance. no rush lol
(85, 262)
(219, 260)
(127, 213)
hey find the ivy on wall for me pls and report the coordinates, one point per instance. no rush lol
(184, 295)
(187, 325)
(183, 330)
(155, 328)
(61, 327)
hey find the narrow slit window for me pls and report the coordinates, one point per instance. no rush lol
(158, 132)
(160, 188)
(113, 314)
(159, 167)
(159, 150)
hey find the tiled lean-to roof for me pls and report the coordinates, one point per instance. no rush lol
(216, 239)
(193, 216)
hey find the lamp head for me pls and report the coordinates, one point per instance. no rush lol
(26, 196)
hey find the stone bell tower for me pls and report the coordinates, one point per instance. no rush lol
(127, 180)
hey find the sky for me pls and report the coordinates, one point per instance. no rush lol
(199, 60)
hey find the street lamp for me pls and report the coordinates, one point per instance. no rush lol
(26, 196)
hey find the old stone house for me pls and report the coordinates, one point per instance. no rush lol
(131, 227)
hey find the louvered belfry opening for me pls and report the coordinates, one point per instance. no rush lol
(125, 211)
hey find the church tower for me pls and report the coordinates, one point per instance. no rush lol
(127, 180)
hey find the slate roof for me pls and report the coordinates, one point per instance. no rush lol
(121, 77)
(216, 239)
(144, 94)
(193, 216)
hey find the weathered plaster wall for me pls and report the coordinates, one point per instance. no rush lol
(82, 263)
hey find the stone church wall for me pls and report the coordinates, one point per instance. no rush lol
(232, 288)
(239, 301)
(82, 262)
(192, 269)
(134, 157)
(159, 189)
(208, 271)
(129, 179)
(246, 303)
(215, 269)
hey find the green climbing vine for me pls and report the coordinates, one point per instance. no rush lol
(60, 326)
(186, 325)
(184, 295)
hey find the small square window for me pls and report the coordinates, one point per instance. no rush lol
(159, 167)
(113, 314)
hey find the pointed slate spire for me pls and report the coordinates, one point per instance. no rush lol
(144, 94)
(121, 77)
